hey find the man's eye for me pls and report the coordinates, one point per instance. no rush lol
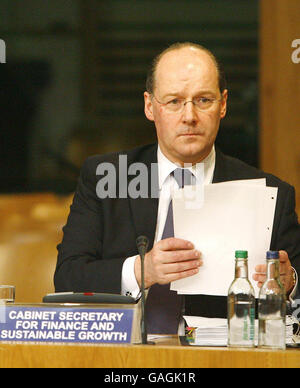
(174, 102)
(204, 100)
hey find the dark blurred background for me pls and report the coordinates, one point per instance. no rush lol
(74, 80)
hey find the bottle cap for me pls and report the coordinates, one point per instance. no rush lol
(241, 254)
(272, 255)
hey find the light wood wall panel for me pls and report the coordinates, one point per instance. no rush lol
(280, 91)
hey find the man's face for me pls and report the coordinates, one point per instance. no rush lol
(186, 136)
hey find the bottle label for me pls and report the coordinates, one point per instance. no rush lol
(252, 323)
(245, 332)
(249, 332)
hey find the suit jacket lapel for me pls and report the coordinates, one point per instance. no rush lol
(144, 210)
(221, 172)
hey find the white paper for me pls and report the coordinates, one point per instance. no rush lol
(225, 217)
(204, 323)
(258, 182)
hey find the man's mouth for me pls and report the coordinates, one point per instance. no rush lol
(190, 134)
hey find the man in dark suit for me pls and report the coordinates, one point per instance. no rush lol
(186, 98)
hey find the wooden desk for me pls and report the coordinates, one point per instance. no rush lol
(166, 354)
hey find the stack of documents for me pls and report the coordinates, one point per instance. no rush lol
(207, 331)
(214, 331)
(219, 219)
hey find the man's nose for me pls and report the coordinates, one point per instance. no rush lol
(189, 114)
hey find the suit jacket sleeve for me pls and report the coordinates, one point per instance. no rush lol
(80, 265)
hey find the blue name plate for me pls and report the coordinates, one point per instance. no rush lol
(20, 323)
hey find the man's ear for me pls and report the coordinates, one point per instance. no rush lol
(224, 104)
(148, 106)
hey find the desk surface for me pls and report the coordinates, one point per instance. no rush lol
(166, 353)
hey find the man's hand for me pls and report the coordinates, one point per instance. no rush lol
(286, 272)
(169, 260)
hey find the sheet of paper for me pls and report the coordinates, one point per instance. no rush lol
(258, 182)
(229, 217)
(205, 323)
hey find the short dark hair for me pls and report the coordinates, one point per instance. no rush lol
(150, 81)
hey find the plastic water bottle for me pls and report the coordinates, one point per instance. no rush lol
(272, 307)
(241, 305)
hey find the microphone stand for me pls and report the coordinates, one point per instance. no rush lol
(142, 245)
(143, 318)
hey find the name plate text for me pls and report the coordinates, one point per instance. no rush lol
(66, 324)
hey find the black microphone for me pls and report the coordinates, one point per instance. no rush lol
(142, 243)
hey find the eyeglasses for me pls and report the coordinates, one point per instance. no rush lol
(177, 104)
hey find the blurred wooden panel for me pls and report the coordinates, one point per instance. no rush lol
(280, 91)
(30, 229)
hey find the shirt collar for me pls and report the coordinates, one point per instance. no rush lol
(165, 167)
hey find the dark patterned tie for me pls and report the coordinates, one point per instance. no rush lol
(163, 306)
